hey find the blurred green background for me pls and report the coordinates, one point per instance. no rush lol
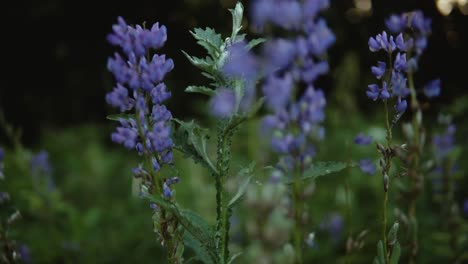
(54, 88)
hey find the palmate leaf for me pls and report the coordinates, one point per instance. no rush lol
(191, 140)
(198, 234)
(208, 39)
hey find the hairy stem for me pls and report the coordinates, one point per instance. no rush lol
(225, 133)
(385, 172)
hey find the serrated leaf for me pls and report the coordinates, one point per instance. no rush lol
(200, 89)
(234, 257)
(203, 64)
(396, 253)
(254, 42)
(244, 172)
(237, 15)
(118, 117)
(324, 168)
(208, 39)
(191, 140)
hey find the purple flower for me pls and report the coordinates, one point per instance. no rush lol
(401, 105)
(384, 94)
(140, 87)
(168, 193)
(223, 104)
(240, 63)
(40, 163)
(278, 54)
(399, 87)
(432, 89)
(320, 38)
(373, 92)
(396, 23)
(421, 23)
(277, 91)
(379, 70)
(443, 144)
(333, 225)
(400, 43)
(119, 98)
(25, 254)
(400, 62)
(367, 166)
(362, 139)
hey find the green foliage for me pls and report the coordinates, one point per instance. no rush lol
(200, 89)
(191, 140)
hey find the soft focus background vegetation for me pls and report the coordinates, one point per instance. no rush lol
(53, 91)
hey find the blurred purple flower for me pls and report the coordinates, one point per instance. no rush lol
(223, 104)
(362, 139)
(367, 166)
(432, 89)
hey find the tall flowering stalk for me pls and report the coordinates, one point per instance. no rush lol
(290, 66)
(414, 28)
(397, 83)
(145, 122)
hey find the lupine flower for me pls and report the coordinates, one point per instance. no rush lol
(139, 86)
(333, 225)
(379, 70)
(443, 144)
(40, 163)
(166, 186)
(362, 139)
(288, 64)
(432, 89)
(25, 254)
(401, 105)
(397, 23)
(367, 166)
(223, 104)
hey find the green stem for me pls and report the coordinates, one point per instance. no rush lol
(223, 212)
(297, 193)
(386, 171)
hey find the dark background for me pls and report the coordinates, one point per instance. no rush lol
(54, 74)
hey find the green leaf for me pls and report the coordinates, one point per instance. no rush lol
(380, 252)
(255, 42)
(200, 235)
(396, 253)
(191, 140)
(324, 168)
(237, 15)
(392, 234)
(234, 257)
(203, 64)
(200, 89)
(244, 172)
(118, 117)
(208, 39)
